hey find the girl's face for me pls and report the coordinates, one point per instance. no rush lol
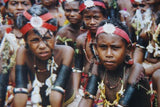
(17, 7)
(41, 46)
(142, 6)
(48, 2)
(92, 17)
(111, 50)
(72, 12)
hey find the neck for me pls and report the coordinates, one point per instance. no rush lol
(75, 26)
(116, 73)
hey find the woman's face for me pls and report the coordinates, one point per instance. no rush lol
(142, 6)
(72, 12)
(92, 17)
(41, 44)
(17, 7)
(48, 2)
(111, 50)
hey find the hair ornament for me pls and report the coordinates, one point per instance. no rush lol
(139, 1)
(37, 22)
(111, 29)
(90, 3)
(69, 0)
(5, 1)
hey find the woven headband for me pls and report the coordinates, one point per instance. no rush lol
(37, 22)
(90, 3)
(111, 29)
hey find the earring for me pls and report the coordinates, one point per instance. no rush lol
(128, 60)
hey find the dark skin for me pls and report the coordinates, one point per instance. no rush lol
(51, 5)
(91, 17)
(72, 30)
(112, 55)
(42, 51)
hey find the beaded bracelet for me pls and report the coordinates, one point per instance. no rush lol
(59, 89)
(76, 70)
(87, 95)
(20, 90)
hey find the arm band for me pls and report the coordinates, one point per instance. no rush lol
(124, 101)
(62, 79)
(21, 76)
(92, 85)
(78, 61)
(20, 90)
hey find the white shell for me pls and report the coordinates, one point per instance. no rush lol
(36, 21)
(109, 28)
(89, 3)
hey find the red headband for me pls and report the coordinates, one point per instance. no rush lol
(37, 21)
(90, 3)
(5, 1)
(111, 29)
(132, 1)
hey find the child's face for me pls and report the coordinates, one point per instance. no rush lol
(111, 50)
(41, 46)
(17, 7)
(142, 6)
(72, 12)
(47, 2)
(92, 17)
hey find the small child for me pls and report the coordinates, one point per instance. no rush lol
(116, 89)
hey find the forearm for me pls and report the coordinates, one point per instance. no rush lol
(20, 103)
(149, 70)
(85, 103)
(76, 81)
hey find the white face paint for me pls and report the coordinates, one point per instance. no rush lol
(42, 30)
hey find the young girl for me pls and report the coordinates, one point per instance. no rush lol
(48, 65)
(56, 10)
(116, 88)
(68, 34)
(93, 12)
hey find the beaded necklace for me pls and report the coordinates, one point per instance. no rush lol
(35, 95)
(89, 40)
(118, 94)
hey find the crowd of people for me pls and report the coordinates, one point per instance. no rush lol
(79, 53)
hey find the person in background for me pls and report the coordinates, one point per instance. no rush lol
(48, 65)
(56, 10)
(9, 42)
(93, 12)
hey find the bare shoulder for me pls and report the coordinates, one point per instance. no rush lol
(81, 39)
(65, 54)
(21, 55)
(63, 31)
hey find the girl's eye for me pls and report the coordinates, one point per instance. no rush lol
(35, 40)
(46, 38)
(103, 46)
